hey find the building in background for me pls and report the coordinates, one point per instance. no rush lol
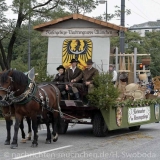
(142, 28)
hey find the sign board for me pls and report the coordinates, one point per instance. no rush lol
(139, 114)
(79, 32)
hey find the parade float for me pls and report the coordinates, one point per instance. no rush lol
(81, 37)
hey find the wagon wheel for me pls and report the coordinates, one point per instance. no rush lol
(62, 126)
(134, 128)
(99, 126)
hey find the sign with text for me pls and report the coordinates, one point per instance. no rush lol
(139, 114)
(79, 32)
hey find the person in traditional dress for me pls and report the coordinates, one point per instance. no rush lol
(59, 80)
(73, 75)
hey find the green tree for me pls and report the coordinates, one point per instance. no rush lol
(81, 6)
(132, 39)
(104, 94)
(11, 28)
(116, 14)
(151, 44)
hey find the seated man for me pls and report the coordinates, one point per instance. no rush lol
(88, 74)
(59, 78)
(73, 75)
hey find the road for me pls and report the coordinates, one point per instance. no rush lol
(80, 144)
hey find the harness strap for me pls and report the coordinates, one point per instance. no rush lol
(46, 95)
(57, 94)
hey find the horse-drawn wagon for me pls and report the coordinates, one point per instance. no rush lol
(126, 114)
(130, 110)
(81, 37)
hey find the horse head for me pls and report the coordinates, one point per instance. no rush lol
(5, 81)
(12, 81)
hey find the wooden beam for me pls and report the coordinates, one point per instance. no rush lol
(130, 55)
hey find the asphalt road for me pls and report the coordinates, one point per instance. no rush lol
(80, 144)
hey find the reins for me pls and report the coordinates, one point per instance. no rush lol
(30, 92)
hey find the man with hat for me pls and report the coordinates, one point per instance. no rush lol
(59, 78)
(113, 72)
(88, 75)
(73, 75)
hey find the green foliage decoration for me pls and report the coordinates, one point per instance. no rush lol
(104, 94)
(137, 103)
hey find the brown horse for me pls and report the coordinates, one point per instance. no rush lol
(30, 100)
(8, 112)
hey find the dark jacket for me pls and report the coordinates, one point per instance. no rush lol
(88, 75)
(69, 75)
(59, 78)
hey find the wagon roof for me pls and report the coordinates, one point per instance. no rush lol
(40, 27)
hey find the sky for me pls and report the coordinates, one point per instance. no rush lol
(141, 11)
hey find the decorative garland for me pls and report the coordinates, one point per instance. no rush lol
(137, 103)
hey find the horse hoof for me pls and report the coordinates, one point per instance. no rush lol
(34, 145)
(28, 138)
(7, 142)
(23, 140)
(14, 146)
(48, 141)
(55, 138)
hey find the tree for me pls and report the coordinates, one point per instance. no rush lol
(116, 14)
(151, 44)
(81, 6)
(104, 94)
(23, 8)
(132, 39)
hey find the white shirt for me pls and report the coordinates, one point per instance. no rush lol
(90, 68)
(73, 69)
(114, 76)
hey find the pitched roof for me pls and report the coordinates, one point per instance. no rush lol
(82, 17)
(147, 24)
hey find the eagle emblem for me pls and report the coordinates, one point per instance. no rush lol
(80, 49)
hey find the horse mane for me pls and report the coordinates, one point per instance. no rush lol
(18, 77)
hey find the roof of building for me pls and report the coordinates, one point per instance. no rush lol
(147, 24)
(82, 17)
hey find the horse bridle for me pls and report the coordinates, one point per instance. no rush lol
(4, 99)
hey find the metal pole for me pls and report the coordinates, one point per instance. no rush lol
(29, 38)
(135, 65)
(122, 35)
(106, 11)
(117, 60)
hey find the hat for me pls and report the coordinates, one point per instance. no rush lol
(111, 65)
(89, 62)
(74, 60)
(60, 67)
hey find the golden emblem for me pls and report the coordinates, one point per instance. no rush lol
(80, 49)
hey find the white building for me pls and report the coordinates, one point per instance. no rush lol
(142, 28)
(80, 37)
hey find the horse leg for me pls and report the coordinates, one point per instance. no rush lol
(34, 127)
(48, 140)
(21, 126)
(29, 128)
(14, 143)
(54, 126)
(9, 122)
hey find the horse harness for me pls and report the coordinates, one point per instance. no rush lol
(29, 94)
(45, 102)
